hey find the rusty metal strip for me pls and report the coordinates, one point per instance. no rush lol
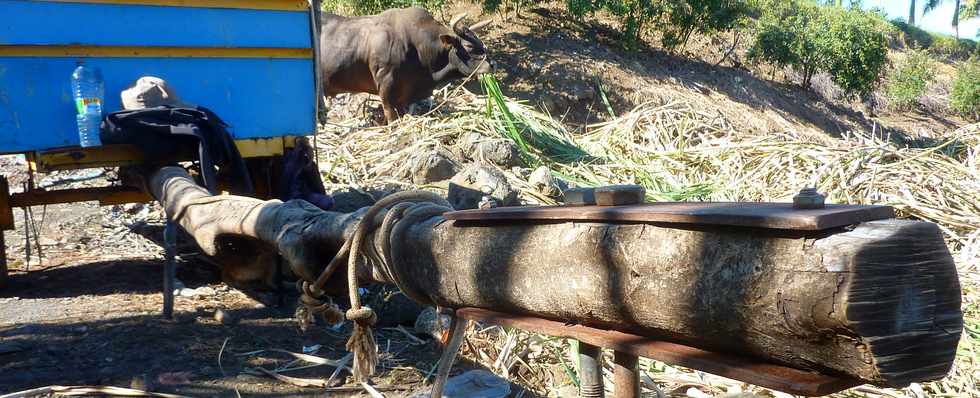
(776, 377)
(736, 214)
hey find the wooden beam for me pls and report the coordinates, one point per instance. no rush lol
(129, 155)
(103, 195)
(878, 302)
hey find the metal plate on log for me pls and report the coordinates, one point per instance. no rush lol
(777, 377)
(738, 214)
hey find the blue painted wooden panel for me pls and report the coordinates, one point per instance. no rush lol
(258, 97)
(46, 23)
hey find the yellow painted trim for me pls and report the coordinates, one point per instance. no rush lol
(127, 155)
(152, 52)
(280, 5)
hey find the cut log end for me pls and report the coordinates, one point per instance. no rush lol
(904, 300)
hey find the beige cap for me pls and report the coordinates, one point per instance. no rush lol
(151, 91)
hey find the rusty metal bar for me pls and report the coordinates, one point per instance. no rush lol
(626, 375)
(590, 371)
(764, 374)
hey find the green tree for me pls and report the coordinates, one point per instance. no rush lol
(849, 44)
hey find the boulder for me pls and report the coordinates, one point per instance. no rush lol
(468, 188)
(432, 166)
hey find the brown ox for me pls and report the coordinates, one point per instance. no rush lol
(402, 55)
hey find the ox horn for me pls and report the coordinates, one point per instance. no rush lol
(454, 23)
(480, 25)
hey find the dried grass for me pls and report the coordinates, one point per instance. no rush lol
(683, 152)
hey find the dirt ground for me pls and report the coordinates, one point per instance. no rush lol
(87, 311)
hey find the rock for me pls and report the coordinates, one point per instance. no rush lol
(225, 318)
(569, 391)
(432, 166)
(499, 151)
(473, 384)
(468, 188)
(351, 200)
(201, 291)
(542, 180)
(392, 306)
(427, 323)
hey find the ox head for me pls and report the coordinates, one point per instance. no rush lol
(467, 55)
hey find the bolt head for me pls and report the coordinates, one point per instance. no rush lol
(809, 198)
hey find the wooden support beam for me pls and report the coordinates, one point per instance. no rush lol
(104, 195)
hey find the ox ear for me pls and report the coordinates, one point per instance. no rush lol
(449, 40)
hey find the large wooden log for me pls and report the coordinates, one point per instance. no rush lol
(879, 302)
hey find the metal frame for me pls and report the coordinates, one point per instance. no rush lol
(627, 348)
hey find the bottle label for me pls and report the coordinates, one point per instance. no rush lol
(85, 104)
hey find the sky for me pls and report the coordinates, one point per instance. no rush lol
(937, 20)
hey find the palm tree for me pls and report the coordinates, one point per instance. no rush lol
(932, 4)
(912, 13)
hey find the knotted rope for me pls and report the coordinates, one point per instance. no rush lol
(400, 211)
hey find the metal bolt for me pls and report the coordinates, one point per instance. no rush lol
(809, 198)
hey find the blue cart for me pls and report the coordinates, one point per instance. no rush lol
(251, 61)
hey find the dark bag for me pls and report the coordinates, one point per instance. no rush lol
(161, 132)
(301, 178)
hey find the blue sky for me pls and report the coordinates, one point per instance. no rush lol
(937, 20)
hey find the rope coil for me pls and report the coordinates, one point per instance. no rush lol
(400, 211)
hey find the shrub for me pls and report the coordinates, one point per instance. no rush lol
(907, 82)
(848, 44)
(787, 35)
(683, 17)
(951, 47)
(965, 95)
(368, 7)
(855, 48)
(675, 20)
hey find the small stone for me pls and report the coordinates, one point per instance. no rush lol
(431, 323)
(468, 188)
(542, 180)
(569, 391)
(432, 166)
(225, 318)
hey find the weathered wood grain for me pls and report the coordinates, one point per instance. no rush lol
(879, 302)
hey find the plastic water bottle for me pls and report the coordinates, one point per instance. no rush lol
(88, 91)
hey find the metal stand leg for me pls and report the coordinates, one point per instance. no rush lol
(3, 260)
(280, 292)
(457, 330)
(626, 375)
(590, 371)
(169, 268)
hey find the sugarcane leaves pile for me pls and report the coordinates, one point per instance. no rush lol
(541, 139)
